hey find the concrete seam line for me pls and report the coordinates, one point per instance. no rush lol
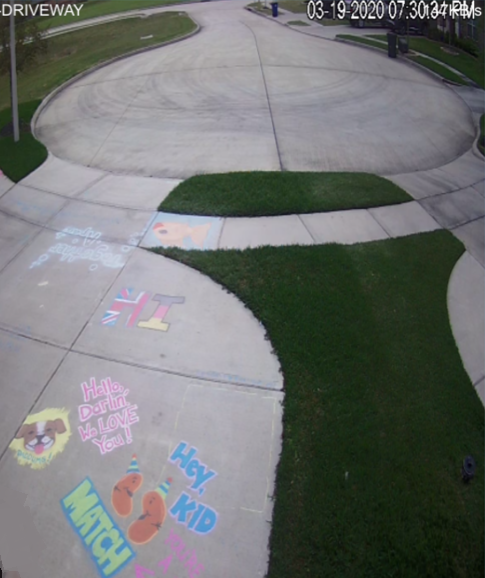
(45, 227)
(168, 371)
(267, 96)
(478, 381)
(218, 244)
(315, 242)
(464, 223)
(389, 235)
(96, 67)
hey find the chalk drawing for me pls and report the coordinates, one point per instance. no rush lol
(41, 438)
(180, 555)
(123, 491)
(92, 249)
(30, 208)
(115, 413)
(186, 232)
(87, 233)
(136, 305)
(154, 512)
(198, 517)
(102, 538)
(183, 554)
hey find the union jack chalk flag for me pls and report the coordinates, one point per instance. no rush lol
(122, 302)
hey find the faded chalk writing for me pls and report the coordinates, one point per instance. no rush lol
(92, 249)
(182, 557)
(113, 412)
(88, 233)
(183, 554)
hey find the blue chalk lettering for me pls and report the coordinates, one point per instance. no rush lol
(182, 507)
(178, 454)
(207, 522)
(203, 475)
(196, 516)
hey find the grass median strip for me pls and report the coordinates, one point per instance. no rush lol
(378, 413)
(68, 55)
(438, 68)
(72, 53)
(465, 63)
(294, 6)
(362, 40)
(18, 159)
(280, 193)
(97, 8)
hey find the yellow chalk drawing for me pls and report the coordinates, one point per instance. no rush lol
(41, 438)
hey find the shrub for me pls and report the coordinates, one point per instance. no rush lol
(435, 34)
(467, 45)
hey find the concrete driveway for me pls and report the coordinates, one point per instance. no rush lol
(246, 94)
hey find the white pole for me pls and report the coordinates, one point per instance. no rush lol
(13, 76)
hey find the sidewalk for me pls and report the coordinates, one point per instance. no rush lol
(450, 197)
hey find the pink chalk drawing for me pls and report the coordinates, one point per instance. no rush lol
(124, 301)
(183, 557)
(183, 554)
(113, 413)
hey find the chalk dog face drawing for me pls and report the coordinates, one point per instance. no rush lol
(41, 437)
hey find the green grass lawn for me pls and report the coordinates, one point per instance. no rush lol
(95, 8)
(18, 159)
(375, 387)
(72, 53)
(298, 23)
(332, 22)
(68, 55)
(280, 193)
(465, 63)
(362, 40)
(435, 67)
(294, 6)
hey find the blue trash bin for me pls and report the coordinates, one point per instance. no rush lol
(274, 8)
